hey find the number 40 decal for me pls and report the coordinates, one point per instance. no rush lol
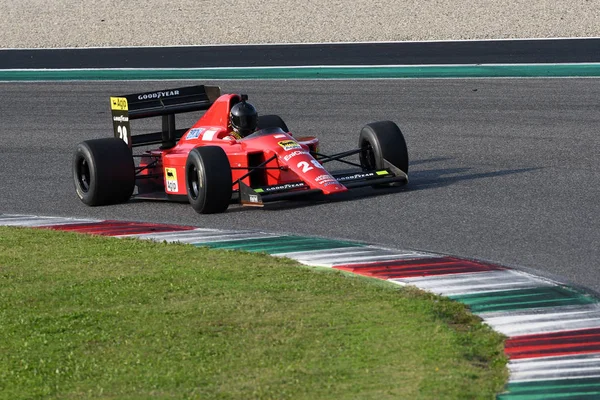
(306, 166)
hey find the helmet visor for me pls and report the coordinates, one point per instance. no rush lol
(244, 124)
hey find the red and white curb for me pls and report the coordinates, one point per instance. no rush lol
(553, 330)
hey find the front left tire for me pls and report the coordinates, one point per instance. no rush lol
(208, 179)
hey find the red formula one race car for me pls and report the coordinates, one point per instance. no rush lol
(210, 165)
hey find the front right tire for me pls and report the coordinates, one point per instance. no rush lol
(382, 140)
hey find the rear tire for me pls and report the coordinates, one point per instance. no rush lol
(271, 121)
(382, 140)
(208, 179)
(103, 172)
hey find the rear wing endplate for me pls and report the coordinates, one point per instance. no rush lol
(160, 103)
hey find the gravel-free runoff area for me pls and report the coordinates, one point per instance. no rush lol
(91, 23)
(92, 317)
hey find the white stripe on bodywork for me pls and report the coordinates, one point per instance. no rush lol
(209, 134)
(475, 282)
(551, 368)
(534, 321)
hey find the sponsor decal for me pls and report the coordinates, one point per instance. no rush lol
(121, 118)
(194, 133)
(326, 180)
(327, 183)
(285, 186)
(158, 95)
(293, 154)
(325, 177)
(356, 176)
(171, 178)
(253, 198)
(289, 145)
(119, 104)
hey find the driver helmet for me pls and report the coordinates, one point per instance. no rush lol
(243, 118)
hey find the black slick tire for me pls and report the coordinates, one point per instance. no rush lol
(103, 171)
(208, 179)
(382, 140)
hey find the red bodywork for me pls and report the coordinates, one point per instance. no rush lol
(293, 161)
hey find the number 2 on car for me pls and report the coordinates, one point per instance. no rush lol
(306, 166)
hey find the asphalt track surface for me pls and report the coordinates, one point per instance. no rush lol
(396, 53)
(504, 170)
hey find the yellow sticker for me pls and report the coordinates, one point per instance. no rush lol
(289, 144)
(171, 178)
(119, 103)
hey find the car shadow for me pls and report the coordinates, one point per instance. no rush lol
(418, 180)
(429, 160)
(435, 178)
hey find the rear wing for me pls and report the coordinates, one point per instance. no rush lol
(161, 103)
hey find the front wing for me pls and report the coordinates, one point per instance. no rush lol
(260, 195)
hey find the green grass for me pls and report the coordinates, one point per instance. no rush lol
(92, 317)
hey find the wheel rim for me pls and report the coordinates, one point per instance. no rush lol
(83, 175)
(193, 182)
(367, 156)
